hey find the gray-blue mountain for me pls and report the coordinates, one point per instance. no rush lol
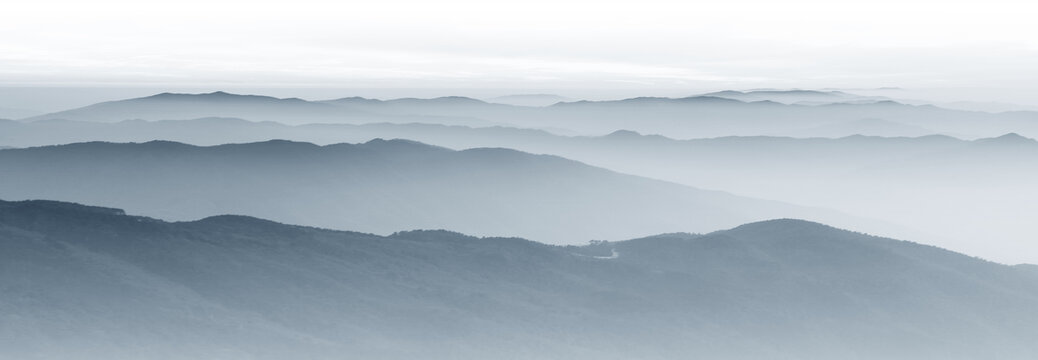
(93, 283)
(688, 117)
(380, 186)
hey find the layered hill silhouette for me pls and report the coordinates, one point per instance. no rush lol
(690, 117)
(90, 282)
(173, 106)
(863, 175)
(529, 99)
(712, 116)
(792, 96)
(380, 186)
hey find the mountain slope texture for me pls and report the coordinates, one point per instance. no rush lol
(93, 283)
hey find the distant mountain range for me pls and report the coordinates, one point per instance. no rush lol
(382, 186)
(710, 116)
(791, 96)
(89, 282)
(862, 175)
(691, 117)
(529, 99)
(170, 106)
(830, 96)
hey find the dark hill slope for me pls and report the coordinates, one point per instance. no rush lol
(86, 282)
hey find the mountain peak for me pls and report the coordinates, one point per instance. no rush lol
(459, 99)
(624, 134)
(710, 99)
(1008, 139)
(426, 235)
(783, 227)
(237, 220)
(724, 93)
(214, 96)
(438, 100)
(1014, 137)
(399, 144)
(784, 222)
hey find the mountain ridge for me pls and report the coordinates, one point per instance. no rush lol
(711, 116)
(379, 186)
(786, 288)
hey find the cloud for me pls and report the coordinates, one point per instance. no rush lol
(647, 42)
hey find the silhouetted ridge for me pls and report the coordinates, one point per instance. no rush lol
(431, 235)
(445, 100)
(216, 96)
(256, 228)
(275, 145)
(624, 134)
(400, 144)
(691, 100)
(382, 186)
(236, 220)
(59, 207)
(1008, 139)
(784, 227)
(724, 93)
(628, 135)
(269, 146)
(459, 99)
(154, 145)
(709, 100)
(353, 100)
(926, 138)
(69, 219)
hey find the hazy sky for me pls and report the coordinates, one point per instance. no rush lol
(641, 44)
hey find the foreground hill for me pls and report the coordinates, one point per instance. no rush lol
(87, 282)
(379, 186)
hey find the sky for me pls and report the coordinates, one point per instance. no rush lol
(977, 48)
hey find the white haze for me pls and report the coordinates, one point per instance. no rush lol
(966, 48)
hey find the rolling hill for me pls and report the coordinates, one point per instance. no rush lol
(867, 176)
(174, 106)
(89, 282)
(382, 186)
